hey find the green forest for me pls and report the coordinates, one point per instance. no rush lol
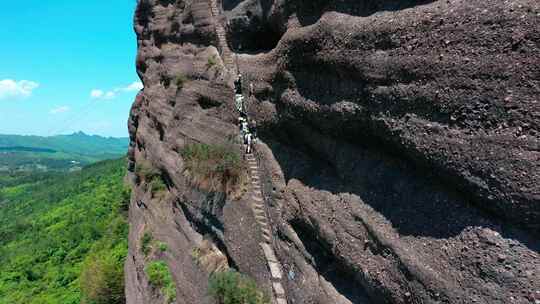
(64, 236)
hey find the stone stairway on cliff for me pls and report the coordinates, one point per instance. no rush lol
(255, 196)
(226, 53)
(261, 217)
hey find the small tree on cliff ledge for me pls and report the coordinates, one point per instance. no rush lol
(216, 168)
(230, 287)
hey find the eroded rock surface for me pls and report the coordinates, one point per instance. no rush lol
(399, 151)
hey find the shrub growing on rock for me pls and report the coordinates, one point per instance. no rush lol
(163, 247)
(157, 185)
(212, 61)
(231, 287)
(146, 172)
(159, 276)
(146, 243)
(216, 168)
(180, 80)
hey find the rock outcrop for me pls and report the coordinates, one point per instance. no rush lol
(399, 152)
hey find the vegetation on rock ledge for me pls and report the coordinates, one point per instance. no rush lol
(231, 287)
(146, 172)
(216, 168)
(159, 276)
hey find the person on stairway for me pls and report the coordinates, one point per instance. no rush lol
(249, 138)
(244, 127)
(241, 119)
(253, 129)
(238, 84)
(239, 98)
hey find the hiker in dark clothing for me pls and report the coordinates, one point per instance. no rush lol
(238, 97)
(253, 129)
(238, 85)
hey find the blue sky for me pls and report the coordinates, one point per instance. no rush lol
(67, 66)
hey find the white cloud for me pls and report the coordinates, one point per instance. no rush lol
(59, 110)
(16, 89)
(134, 87)
(96, 94)
(100, 94)
(112, 94)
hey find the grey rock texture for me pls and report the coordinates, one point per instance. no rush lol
(399, 151)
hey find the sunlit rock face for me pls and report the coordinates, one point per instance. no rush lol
(399, 147)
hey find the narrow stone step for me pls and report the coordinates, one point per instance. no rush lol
(260, 217)
(275, 270)
(278, 289)
(264, 225)
(267, 238)
(258, 212)
(258, 205)
(269, 252)
(257, 199)
(281, 300)
(266, 231)
(200, 5)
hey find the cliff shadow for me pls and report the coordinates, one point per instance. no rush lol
(414, 200)
(309, 12)
(341, 277)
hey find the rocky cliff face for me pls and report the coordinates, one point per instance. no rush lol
(399, 156)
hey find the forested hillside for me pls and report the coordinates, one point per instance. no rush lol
(64, 237)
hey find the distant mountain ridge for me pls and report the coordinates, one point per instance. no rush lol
(57, 153)
(77, 143)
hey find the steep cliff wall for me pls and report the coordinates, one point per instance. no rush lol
(399, 156)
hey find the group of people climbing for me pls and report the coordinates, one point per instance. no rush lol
(248, 128)
(248, 131)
